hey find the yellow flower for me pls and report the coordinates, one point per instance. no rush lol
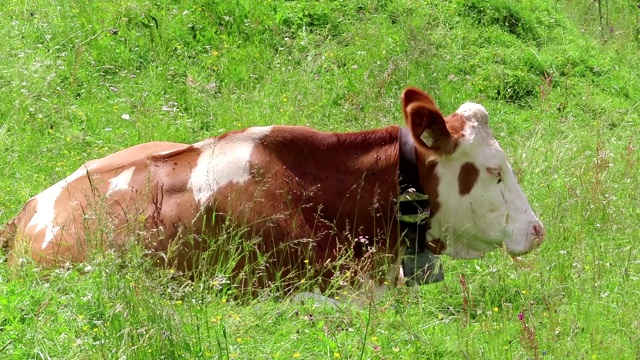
(495, 309)
(524, 292)
(297, 355)
(396, 349)
(336, 355)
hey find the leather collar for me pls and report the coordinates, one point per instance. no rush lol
(413, 207)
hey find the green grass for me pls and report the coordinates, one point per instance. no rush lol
(560, 80)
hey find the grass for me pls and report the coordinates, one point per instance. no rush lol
(81, 80)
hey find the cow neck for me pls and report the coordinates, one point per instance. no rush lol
(413, 207)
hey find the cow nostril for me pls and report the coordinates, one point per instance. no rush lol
(538, 229)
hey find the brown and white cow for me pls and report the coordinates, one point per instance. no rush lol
(300, 195)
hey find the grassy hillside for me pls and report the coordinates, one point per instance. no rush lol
(80, 80)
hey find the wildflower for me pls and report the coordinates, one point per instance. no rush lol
(336, 355)
(495, 309)
(239, 340)
(297, 355)
(396, 349)
(125, 117)
(521, 316)
(524, 292)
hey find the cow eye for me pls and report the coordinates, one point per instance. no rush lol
(494, 171)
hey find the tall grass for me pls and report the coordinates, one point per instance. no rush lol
(81, 80)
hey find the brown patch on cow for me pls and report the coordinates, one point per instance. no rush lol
(467, 178)
(456, 124)
(332, 189)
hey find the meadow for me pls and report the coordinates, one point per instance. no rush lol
(560, 79)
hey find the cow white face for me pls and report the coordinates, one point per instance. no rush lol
(481, 205)
(487, 208)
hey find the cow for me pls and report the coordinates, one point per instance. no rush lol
(296, 197)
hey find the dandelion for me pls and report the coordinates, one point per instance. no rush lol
(239, 340)
(495, 309)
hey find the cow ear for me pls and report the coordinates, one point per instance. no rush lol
(425, 120)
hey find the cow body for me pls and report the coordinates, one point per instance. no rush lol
(299, 196)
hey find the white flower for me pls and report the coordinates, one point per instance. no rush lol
(125, 116)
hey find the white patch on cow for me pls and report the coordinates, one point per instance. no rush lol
(120, 182)
(223, 161)
(495, 213)
(45, 213)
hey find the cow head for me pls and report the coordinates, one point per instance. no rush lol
(477, 203)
